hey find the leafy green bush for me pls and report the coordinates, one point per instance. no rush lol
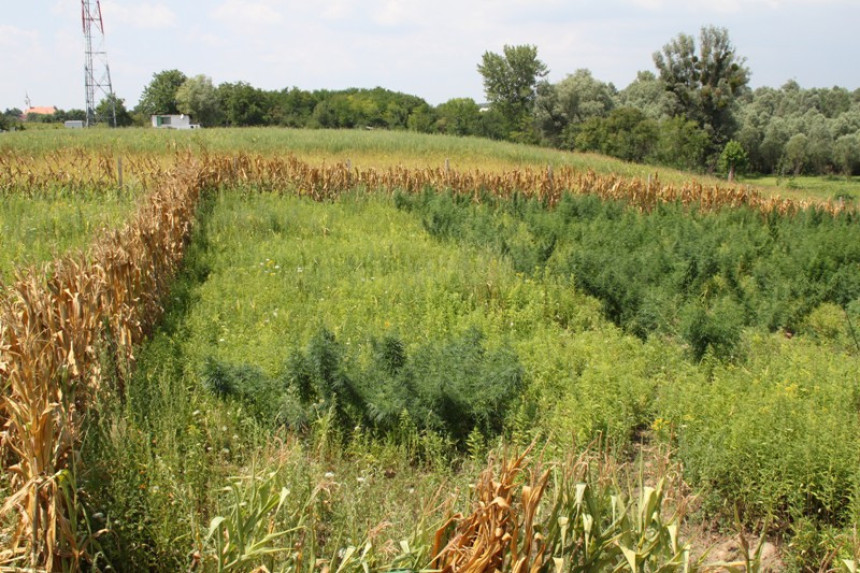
(243, 382)
(453, 387)
(716, 329)
(775, 437)
(703, 276)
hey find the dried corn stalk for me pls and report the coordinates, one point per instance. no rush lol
(52, 323)
(499, 535)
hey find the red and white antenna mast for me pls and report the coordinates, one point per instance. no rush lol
(96, 56)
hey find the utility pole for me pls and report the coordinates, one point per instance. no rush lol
(96, 56)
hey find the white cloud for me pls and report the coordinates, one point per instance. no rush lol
(728, 6)
(335, 9)
(430, 49)
(12, 37)
(200, 37)
(147, 15)
(251, 14)
(391, 13)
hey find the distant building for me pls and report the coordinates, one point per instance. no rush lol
(173, 122)
(74, 124)
(39, 110)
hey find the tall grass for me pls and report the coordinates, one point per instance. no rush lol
(38, 229)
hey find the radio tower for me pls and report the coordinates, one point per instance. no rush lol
(91, 16)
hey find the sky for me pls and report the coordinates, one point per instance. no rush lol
(427, 48)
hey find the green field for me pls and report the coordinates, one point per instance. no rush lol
(37, 229)
(330, 377)
(832, 188)
(279, 288)
(364, 148)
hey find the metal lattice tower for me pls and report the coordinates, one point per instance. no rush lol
(96, 55)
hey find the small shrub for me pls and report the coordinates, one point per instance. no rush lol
(827, 323)
(245, 383)
(716, 330)
(452, 387)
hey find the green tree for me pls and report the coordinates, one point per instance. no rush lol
(847, 123)
(335, 112)
(562, 107)
(704, 84)
(796, 153)
(772, 147)
(627, 134)
(493, 124)
(111, 107)
(647, 94)
(510, 82)
(458, 116)
(733, 159)
(198, 98)
(242, 104)
(293, 107)
(421, 119)
(846, 153)
(682, 144)
(160, 95)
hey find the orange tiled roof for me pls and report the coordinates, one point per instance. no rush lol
(42, 110)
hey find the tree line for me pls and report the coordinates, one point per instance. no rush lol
(694, 111)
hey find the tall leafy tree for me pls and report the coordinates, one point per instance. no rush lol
(510, 83)
(796, 153)
(242, 104)
(198, 98)
(706, 82)
(160, 95)
(113, 105)
(627, 134)
(561, 108)
(458, 116)
(846, 154)
(733, 159)
(647, 94)
(293, 107)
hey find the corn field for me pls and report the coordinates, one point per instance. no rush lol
(54, 323)
(327, 181)
(59, 322)
(76, 170)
